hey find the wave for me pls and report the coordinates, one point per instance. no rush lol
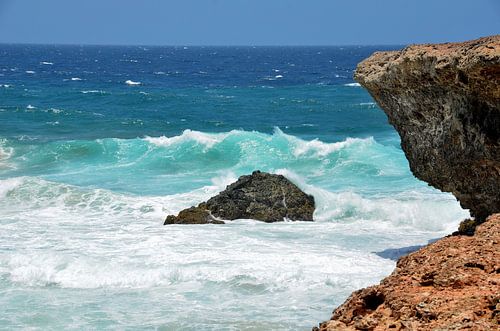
(132, 83)
(194, 157)
(126, 246)
(352, 180)
(93, 92)
(6, 153)
(353, 84)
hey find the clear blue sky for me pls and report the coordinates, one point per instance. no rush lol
(246, 22)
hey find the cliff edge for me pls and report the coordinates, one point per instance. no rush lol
(452, 284)
(444, 100)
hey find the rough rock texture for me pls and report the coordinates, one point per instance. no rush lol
(452, 284)
(444, 100)
(259, 196)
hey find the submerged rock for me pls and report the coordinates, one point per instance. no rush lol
(259, 196)
(444, 100)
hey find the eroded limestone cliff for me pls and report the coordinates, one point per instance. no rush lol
(444, 100)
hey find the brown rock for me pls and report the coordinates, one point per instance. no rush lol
(452, 284)
(444, 100)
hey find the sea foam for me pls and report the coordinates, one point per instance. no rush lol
(132, 83)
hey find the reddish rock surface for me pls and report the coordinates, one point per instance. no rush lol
(452, 284)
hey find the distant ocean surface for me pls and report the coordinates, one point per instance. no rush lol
(99, 144)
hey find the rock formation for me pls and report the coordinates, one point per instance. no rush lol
(452, 284)
(259, 196)
(444, 100)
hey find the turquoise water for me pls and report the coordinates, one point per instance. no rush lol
(99, 144)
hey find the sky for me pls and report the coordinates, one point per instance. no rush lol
(246, 22)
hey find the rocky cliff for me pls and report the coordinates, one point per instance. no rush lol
(444, 100)
(452, 284)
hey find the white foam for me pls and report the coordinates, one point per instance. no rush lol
(93, 91)
(5, 85)
(278, 76)
(75, 79)
(10, 184)
(353, 84)
(132, 83)
(30, 107)
(47, 63)
(319, 148)
(422, 211)
(202, 138)
(5, 155)
(29, 71)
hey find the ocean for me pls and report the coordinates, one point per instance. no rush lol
(98, 144)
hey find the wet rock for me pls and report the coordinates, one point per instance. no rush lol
(259, 196)
(444, 100)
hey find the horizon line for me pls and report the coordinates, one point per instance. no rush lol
(194, 45)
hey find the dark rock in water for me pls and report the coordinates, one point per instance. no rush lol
(259, 196)
(444, 100)
(193, 215)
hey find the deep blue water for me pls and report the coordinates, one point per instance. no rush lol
(99, 144)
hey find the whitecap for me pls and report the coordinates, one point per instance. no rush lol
(9, 185)
(93, 91)
(317, 147)
(30, 107)
(202, 138)
(353, 84)
(132, 83)
(76, 78)
(420, 211)
(278, 76)
(29, 71)
(5, 85)
(47, 63)
(5, 155)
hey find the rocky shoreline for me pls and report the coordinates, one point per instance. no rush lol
(444, 101)
(451, 284)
